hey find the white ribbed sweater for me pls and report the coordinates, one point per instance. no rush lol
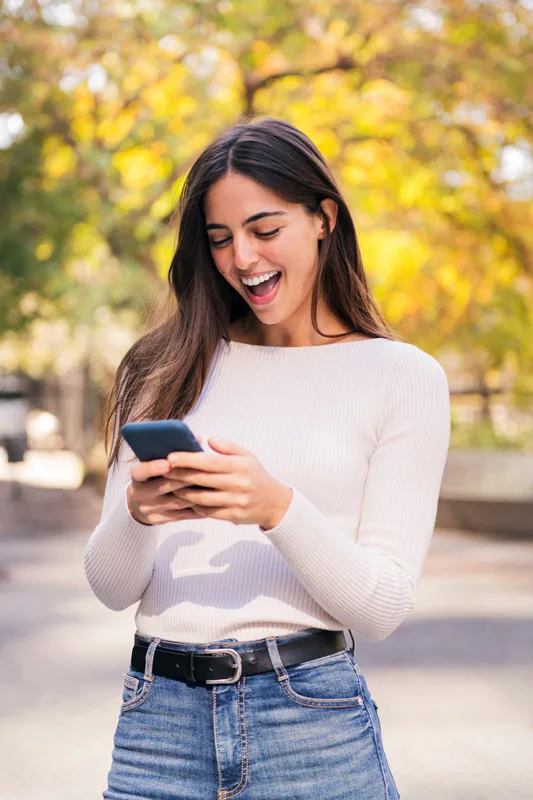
(360, 431)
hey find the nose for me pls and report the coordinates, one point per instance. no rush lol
(244, 254)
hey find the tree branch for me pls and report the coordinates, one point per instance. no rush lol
(253, 83)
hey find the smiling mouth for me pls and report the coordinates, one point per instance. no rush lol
(263, 288)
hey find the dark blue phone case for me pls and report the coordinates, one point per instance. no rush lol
(155, 439)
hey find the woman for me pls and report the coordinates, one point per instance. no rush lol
(319, 502)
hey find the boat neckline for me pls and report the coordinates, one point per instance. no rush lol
(233, 343)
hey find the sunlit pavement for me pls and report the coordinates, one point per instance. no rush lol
(453, 684)
(54, 469)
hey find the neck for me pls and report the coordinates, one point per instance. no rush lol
(250, 331)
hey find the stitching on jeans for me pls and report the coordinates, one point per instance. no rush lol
(376, 745)
(279, 669)
(310, 703)
(136, 702)
(130, 682)
(342, 702)
(283, 678)
(229, 792)
(149, 660)
(226, 795)
(240, 698)
(216, 739)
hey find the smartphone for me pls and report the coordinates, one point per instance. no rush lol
(155, 439)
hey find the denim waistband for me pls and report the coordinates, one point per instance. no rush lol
(235, 644)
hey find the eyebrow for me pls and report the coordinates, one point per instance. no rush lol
(254, 218)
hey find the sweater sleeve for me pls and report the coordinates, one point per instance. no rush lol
(119, 556)
(369, 582)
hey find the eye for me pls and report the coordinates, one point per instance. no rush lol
(223, 242)
(219, 243)
(268, 234)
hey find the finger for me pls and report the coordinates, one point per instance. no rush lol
(158, 486)
(230, 448)
(165, 505)
(173, 503)
(222, 512)
(209, 499)
(190, 477)
(145, 470)
(207, 462)
(168, 503)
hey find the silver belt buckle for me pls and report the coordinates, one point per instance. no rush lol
(237, 665)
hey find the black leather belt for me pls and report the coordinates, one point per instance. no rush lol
(226, 665)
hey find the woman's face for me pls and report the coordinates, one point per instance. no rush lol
(253, 232)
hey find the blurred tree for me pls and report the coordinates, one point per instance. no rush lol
(423, 108)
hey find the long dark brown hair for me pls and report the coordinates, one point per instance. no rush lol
(162, 374)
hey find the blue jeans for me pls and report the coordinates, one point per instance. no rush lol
(306, 731)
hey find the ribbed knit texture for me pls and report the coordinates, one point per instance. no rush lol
(360, 431)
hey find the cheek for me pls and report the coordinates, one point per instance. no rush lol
(293, 252)
(285, 250)
(222, 261)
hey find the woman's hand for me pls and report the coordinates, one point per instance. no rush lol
(150, 495)
(237, 487)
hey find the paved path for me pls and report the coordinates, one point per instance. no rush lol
(453, 684)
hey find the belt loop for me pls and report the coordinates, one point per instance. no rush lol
(149, 660)
(192, 678)
(277, 663)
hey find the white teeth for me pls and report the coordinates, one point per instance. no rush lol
(259, 279)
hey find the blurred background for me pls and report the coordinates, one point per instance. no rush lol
(425, 112)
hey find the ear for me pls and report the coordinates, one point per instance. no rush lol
(330, 208)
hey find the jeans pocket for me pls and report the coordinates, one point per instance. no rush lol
(328, 682)
(135, 691)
